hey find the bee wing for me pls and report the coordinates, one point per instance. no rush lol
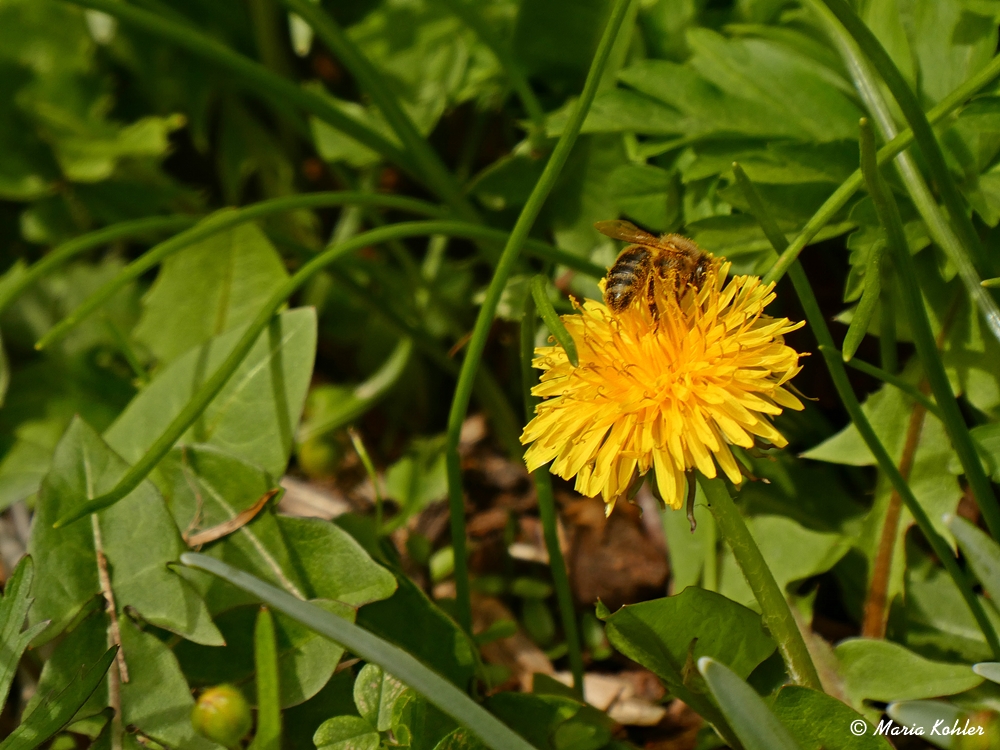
(626, 231)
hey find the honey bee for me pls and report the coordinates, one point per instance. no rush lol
(670, 260)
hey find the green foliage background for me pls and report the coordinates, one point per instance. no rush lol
(234, 118)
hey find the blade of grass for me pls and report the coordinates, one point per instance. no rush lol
(484, 321)
(71, 248)
(897, 145)
(551, 317)
(214, 383)
(838, 372)
(366, 461)
(408, 670)
(547, 511)
(432, 170)
(265, 647)
(908, 388)
(923, 336)
(259, 79)
(774, 609)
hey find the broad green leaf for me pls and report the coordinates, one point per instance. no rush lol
(552, 722)
(926, 714)
(981, 552)
(885, 671)
(889, 411)
(51, 715)
(4, 372)
(418, 723)
(793, 553)
(157, 699)
(557, 39)
(938, 622)
(987, 437)
(751, 719)
(335, 699)
(137, 535)
(819, 721)
(346, 733)
(306, 660)
(209, 288)
(14, 605)
(666, 634)
(418, 478)
(253, 417)
(412, 621)
(648, 195)
(375, 694)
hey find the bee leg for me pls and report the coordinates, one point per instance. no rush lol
(692, 490)
(654, 311)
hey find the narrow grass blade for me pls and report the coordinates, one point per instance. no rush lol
(748, 715)
(923, 336)
(268, 735)
(865, 310)
(51, 715)
(908, 388)
(552, 320)
(484, 321)
(436, 689)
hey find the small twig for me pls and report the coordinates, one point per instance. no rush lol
(225, 528)
(875, 604)
(115, 676)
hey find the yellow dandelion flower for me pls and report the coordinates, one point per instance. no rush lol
(668, 389)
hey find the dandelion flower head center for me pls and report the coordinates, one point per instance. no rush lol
(668, 386)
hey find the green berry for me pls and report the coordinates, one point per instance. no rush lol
(223, 715)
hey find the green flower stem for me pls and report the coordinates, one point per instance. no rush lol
(547, 510)
(431, 169)
(469, 15)
(852, 184)
(211, 387)
(260, 80)
(68, 250)
(228, 218)
(484, 321)
(908, 388)
(411, 672)
(775, 612)
(923, 336)
(366, 461)
(838, 373)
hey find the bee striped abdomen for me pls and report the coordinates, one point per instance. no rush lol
(626, 277)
